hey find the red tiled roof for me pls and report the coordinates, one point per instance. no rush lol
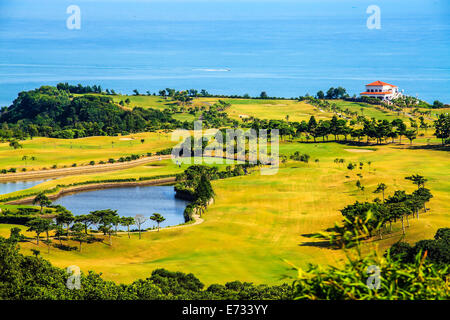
(388, 92)
(380, 83)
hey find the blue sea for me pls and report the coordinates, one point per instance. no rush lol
(286, 48)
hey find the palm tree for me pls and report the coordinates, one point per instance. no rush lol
(202, 205)
(157, 218)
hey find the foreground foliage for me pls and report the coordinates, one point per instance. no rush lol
(32, 277)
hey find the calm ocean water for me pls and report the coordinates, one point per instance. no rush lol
(287, 48)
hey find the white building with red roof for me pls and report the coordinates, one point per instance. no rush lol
(381, 90)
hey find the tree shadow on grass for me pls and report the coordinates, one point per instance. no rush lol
(318, 243)
(435, 147)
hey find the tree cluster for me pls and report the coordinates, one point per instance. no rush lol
(51, 112)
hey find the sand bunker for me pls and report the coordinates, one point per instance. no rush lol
(126, 139)
(358, 150)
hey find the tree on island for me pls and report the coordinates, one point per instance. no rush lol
(204, 189)
(158, 219)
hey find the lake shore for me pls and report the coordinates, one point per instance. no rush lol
(96, 186)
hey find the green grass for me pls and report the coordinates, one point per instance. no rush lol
(62, 152)
(369, 111)
(274, 109)
(258, 221)
(154, 169)
(154, 102)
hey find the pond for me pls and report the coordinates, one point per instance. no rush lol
(8, 187)
(129, 202)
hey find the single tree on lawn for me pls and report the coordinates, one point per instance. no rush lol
(381, 188)
(59, 231)
(35, 252)
(139, 220)
(78, 233)
(37, 225)
(15, 235)
(107, 230)
(399, 211)
(65, 217)
(14, 144)
(49, 226)
(115, 221)
(417, 180)
(157, 218)
(127, 222)
(86, 220)
(106, 218)
(423, 195)
(411, 135)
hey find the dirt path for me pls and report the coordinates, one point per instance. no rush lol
(51, 173)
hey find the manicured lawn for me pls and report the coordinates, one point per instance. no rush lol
(61, 152)
(274, 109)
(154, 169)
(257, 222)
(370, 111)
